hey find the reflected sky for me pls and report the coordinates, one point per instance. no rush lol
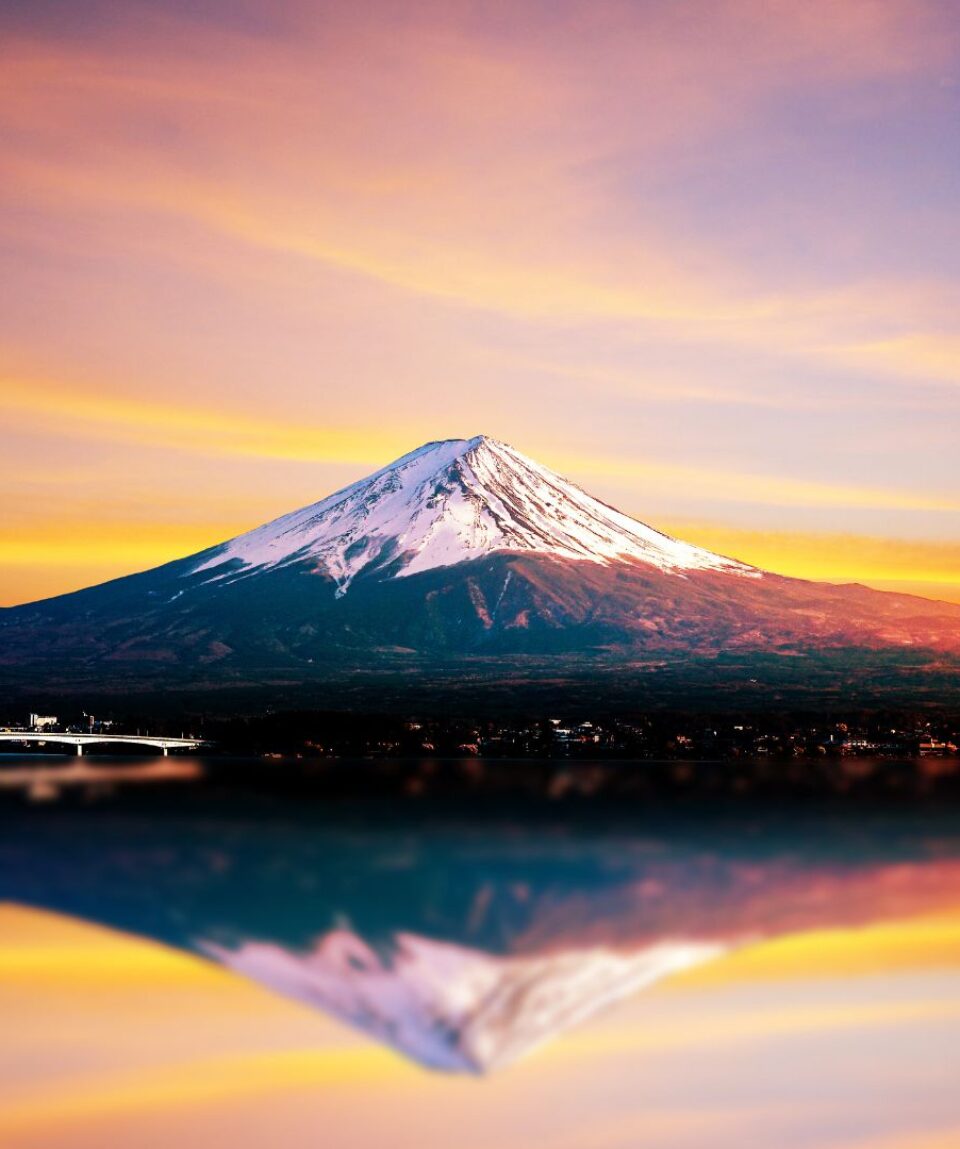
(743, 979)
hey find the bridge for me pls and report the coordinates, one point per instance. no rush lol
(78, 741)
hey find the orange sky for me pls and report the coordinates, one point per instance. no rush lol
(701, 258)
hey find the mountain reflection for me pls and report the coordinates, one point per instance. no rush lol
(466, 942)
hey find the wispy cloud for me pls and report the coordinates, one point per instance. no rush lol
(72, 410)
(716, 485)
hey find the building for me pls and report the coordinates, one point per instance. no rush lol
(42, 721)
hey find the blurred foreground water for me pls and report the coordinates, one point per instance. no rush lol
(761, 971)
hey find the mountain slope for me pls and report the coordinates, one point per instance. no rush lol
(461, 551)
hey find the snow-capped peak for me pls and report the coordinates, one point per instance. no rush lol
(454, 1008)
(448, 502)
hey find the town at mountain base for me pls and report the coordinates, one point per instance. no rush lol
(465, 561)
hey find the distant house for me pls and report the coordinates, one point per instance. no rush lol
(42, 721)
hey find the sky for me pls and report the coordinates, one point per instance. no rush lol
(701, 257)
(841, 1039)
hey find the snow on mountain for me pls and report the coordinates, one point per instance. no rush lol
(450, 1007)
(449, 502)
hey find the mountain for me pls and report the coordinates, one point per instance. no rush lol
(461, 564)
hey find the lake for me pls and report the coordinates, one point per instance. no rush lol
(201, 965)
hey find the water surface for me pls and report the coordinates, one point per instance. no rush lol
(179, 963)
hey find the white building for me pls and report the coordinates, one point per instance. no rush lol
(42, 721)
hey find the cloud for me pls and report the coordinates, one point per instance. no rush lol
(834, 557)
(924, 355)
(464, 165)
(74, 410)
(717, 485)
